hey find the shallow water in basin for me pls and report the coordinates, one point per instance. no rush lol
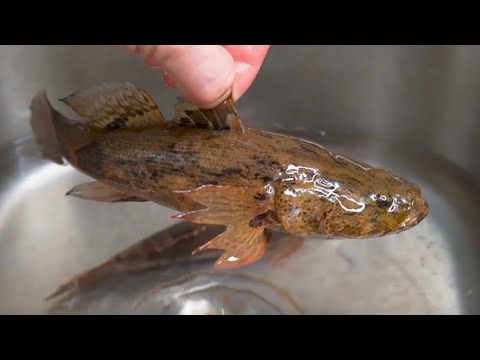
(46, 238)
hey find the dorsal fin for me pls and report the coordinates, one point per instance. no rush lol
(115, 105)
(223, 116)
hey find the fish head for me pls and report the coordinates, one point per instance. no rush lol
(380, 204)
(354, 202)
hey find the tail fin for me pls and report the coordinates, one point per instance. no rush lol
(41, 121)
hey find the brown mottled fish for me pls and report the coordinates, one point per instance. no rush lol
(209, 167)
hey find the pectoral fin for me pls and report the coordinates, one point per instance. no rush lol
(243, 245)
(98, 191)
(246, 214)
(223, 116)
(115, 105)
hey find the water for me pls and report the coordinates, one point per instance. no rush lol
(46, 238)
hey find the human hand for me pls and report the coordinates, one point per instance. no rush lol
(205, 74)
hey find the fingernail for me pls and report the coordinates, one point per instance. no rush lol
(221, 99)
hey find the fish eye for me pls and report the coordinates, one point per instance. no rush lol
(382, 201)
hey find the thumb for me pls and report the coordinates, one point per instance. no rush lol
(203, 73)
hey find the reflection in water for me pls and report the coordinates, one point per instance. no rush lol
(164, 263)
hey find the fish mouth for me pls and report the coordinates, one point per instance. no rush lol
(418, 212)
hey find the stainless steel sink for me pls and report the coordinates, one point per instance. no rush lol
(411, 109)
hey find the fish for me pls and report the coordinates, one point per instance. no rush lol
(211, 169)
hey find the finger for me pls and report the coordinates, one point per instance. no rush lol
(203, 73)
(248, 61)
